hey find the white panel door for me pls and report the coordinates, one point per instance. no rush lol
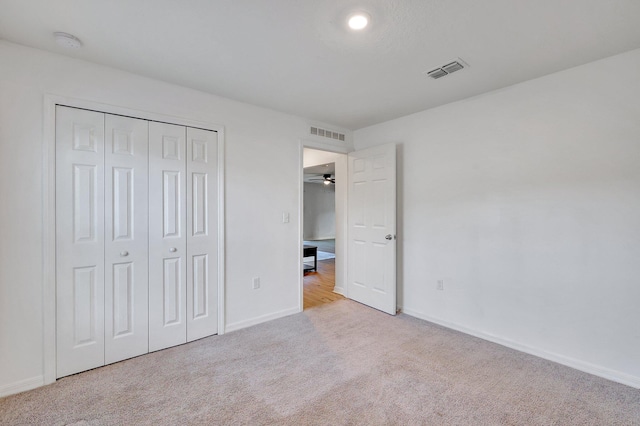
(167, 236)
(79, 240)
(372, 227)
(202, 233)
(126, 238)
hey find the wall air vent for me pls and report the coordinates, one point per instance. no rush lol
(447, 69)
(330, 134)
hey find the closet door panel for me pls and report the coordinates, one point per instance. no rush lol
(202, 238)
(167, 236)
(79, 240)
(126, 238)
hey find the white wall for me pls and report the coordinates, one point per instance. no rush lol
(319, 211)
(257, 142)
(526, 201)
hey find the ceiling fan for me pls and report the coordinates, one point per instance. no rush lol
(326, 179)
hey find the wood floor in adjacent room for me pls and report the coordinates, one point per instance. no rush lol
(318, 285)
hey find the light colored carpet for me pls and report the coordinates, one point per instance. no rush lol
(337, 364)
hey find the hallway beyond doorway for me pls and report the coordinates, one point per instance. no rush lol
(319, 285)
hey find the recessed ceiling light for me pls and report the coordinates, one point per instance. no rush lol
(358, 21)
(67, 40)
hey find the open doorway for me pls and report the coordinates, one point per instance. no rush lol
(323, 226)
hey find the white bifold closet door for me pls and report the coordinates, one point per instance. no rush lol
(202, 233)
(136, 237)
(79, 240)
(126, 238)
(182, 234)
(101, 239)
(167, 236)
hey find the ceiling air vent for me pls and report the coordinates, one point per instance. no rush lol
(453, 67)
(437, 73)
(317, 131)
(445, 70)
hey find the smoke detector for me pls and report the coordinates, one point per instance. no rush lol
(68, 41)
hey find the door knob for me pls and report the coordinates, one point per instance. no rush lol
(124, 253)
(173, 249)
(388, 237)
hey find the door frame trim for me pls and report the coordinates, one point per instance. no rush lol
(49, 215)
(312, 144)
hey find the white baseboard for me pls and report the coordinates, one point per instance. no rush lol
(596, 370)
(259, 320)
(21, 386)
(338, 290)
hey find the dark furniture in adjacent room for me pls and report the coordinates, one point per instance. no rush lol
(310, 251)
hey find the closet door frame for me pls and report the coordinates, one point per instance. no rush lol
(49, 211)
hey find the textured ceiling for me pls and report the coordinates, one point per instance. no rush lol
(298, 56)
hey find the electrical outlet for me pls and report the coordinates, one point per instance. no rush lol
(285, 217)
(440, 285)
(256, 283)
